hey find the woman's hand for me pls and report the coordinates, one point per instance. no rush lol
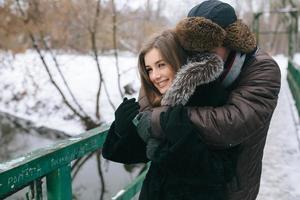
(124, 115)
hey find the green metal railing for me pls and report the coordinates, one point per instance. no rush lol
(54, 163)
(293, 77)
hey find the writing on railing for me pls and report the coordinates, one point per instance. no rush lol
(91, 144)
(62, 160)
(53, 163)
(23, 175)
(77, 152)
(36, 170)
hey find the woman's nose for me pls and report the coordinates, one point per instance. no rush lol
(156, 73)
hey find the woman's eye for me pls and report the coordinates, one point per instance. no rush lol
(148, 70)
(161, 64)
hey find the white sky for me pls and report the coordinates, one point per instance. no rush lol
(175, 9)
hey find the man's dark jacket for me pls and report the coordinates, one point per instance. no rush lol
(243, 121)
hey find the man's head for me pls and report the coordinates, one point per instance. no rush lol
(213, 24)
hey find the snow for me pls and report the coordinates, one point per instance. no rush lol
(11, 163)
(118, 194)
(281, 162)
(280, 175)
(297, 58)
(22, 73)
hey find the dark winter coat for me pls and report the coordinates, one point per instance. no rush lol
(186, 169)
(243, 122)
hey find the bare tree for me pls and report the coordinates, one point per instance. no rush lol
(30, 18)
(93, 32)
(115, 45)
(89, 123)
(11, 27)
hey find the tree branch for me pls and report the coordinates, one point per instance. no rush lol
(115, 45)
(60, 73)
(98, 155)
(93, 33)
(86, 119)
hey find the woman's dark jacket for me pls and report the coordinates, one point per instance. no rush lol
(186, 169)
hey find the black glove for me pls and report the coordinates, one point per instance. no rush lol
(183, 151)
(175, 123)
(179, 133)
(124, 115)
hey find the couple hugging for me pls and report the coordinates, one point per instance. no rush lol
(204, 109)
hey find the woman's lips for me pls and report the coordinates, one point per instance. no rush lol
(162, 84)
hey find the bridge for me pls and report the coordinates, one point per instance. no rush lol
(53, 163)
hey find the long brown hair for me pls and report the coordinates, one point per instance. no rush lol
(172, 53)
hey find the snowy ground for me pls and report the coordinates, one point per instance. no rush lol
(281, 164)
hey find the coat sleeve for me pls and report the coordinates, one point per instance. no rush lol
(248, 110)
(128, 149)
(155, 113)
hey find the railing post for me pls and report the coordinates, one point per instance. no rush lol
(59, 184)
(256, 25)
(36, 190)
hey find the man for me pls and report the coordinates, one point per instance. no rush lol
(252, 79)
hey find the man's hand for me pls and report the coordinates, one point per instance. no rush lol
(175, 123)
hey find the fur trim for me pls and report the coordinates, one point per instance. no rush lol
(199, 34)
(200, 69)
(239, 37)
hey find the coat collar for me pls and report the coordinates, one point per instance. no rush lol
(199, 70)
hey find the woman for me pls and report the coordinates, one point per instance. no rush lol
(182, 166)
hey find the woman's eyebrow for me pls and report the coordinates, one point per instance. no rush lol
(159, 61)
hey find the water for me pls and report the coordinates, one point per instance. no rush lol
(17, 141)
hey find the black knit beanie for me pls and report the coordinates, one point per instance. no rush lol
(219, 12)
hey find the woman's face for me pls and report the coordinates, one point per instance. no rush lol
(161, 73)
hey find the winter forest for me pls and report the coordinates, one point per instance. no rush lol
(66, 65)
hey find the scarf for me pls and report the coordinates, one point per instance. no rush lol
(233, 69)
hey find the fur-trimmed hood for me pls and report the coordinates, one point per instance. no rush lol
(199, 70)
